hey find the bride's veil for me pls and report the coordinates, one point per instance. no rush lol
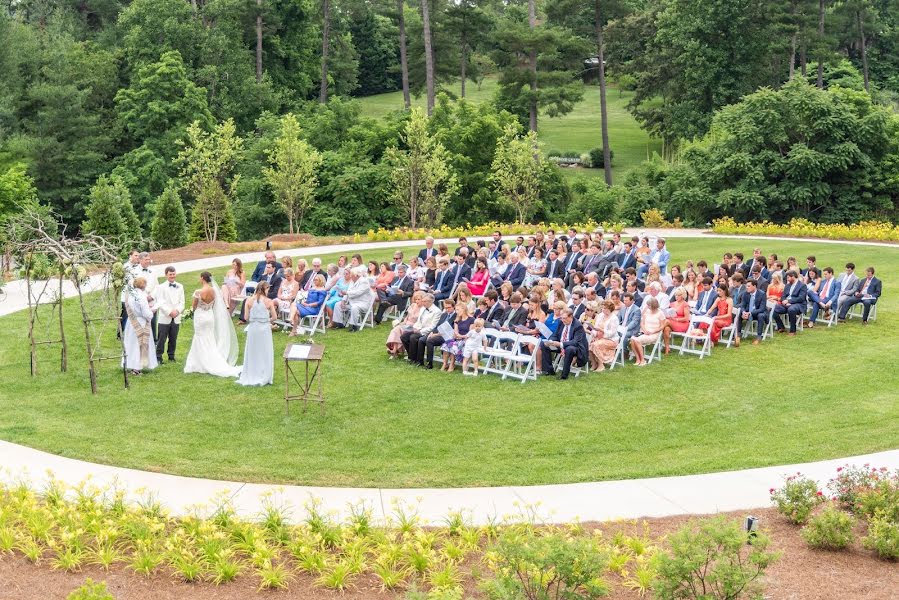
(225, 335)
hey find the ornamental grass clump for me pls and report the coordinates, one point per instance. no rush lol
(797, 498)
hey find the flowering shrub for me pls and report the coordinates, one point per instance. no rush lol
(655, 219)
(445, 231)
(864, 230)
(851, 481)
(830, 529)
(881, 499)
(797, 498)
(883, 538)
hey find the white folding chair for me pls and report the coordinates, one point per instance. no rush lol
(521, 365)
(313, 323)
(619, 351)
(502, 345)
(656, 353)
(857, 311)
(695, 335)
(730, 332)
(368, 319)
(239, 300)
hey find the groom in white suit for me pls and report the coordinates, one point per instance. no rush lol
(169, 306)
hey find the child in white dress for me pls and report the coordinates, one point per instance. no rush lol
(476, 340)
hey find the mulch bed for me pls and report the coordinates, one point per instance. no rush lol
(802, 573)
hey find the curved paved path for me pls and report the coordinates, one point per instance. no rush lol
(655, 497)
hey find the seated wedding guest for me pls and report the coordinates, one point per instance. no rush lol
(793, 265)
(705, 298)
(812, 284)
(137, 339)
(514, 273)
(555, 317)
(336, 294)
(525, 257)
(272, 279)
(577, 303)
(678, 322)
(702, 269)
(590, 312)
(753, 308)
(722, 313)
(570, 340)
(341, 264)
(452, 348)
(460, 270)
(535, 315)
(811, 266)
(775, 289)
(287, 292)
(557, 292)
(501, 264)
(260, 266)
(738, 266)
(653, 275)
(536, 269)
(430, 272)
(643, 251)
(505, 294)
(826, 296)
(428, 251)
(630, 276)
(355, 303)
(397, 294)
(234, 284)
(654, 290)
(737, 287)
(778, 269)
(577, 279)
(590, 295)
(495, 311)
(423, 354)
(756, 255)
(372, 271)
(383, 281)
(259, 354)
(772, 258)
(416, 271)
(480, 278)
(605, 337)
(793, 302)
(651, 325)
(287, 263)
(397, 261)
(481, 309)
(169, 306)
(464, 296)
(690, 280)
(333, 276)
(475, 343)
(394, 344)
(761, 274)
(659, 256)
(443, 282)
(631, 288)
(309, 306)
(463, 244)
(310, 275)
(442, 250)
(355, 261)
(723, 273)
(593, 283)
(516, 315)
(629, 316)
(677, 282)
(428, 317)
(869, 290)
(849, 285)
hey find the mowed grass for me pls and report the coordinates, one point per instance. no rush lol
(823, 394)
(578, 131)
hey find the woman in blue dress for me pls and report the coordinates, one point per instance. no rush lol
(312, 305)
(336, 295)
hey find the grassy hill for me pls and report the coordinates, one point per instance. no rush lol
(578, 131)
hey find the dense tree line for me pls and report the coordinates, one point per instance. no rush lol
(234, 118)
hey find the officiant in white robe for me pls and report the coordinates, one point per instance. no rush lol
(140, 348)
(356, 302)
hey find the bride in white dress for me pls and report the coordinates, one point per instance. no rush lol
(214, 347)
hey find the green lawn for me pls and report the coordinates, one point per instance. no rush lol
(824, 394)
(578, 131)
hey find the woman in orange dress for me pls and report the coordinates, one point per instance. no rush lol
(725, 315)
(680, 322)
(776, 288)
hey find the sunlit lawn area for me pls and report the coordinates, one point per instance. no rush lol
(824, 394)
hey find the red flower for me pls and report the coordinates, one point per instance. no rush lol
(820, 493)
(839, 469)
(771, 491)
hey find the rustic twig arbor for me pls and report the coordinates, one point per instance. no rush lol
(50, 260)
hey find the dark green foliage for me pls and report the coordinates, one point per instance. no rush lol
(597, 160)
(109, 211)
(377, 39)
(169, 228)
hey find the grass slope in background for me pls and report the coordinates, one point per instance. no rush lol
(578, 131)
(823, 394)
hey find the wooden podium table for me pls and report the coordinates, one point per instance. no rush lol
(314, 355)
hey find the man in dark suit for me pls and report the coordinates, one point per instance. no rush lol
(868, 292)
(554, 267)
(426, 344)
(516, 315)
(706, 297)
(397, 294)
(463, 243)
(495, 311)
(630, 317)
(825, 297)
(571, 340)
(428, 251)
(514, 274)
(628, 258)
(498, 238)
(461, 272)
(738, 288)
(572, 262)
(753, 308)
(260, 266)
(590, 260)
(793, 302)
(577, 306)
(748, 267)
(443, 282)
(309, 275)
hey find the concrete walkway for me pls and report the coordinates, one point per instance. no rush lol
(601, 501)
(698, 494)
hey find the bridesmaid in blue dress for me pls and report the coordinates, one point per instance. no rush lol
(259, 353)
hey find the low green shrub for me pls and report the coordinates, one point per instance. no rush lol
(597, 159)
(882, 498)
(830, 529)
(797, 498)
(91, 591)
(540, 567)
(712, 559)
(883, 538)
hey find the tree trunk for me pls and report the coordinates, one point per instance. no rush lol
(193, 4)
(803, 59)
(326, 33)
(820, 82)
(258, 41)
(861, 36)
(464, 53)
(404, 63)
(603, 109)
(532, 58)
(429, 53)
(792, 56)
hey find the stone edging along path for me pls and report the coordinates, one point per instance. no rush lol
(654, 497)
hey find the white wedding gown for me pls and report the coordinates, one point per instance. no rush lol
(214, 347)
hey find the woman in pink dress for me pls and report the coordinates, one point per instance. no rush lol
(394, 345)
(479, 279)
(651, 325)
(234, 284)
